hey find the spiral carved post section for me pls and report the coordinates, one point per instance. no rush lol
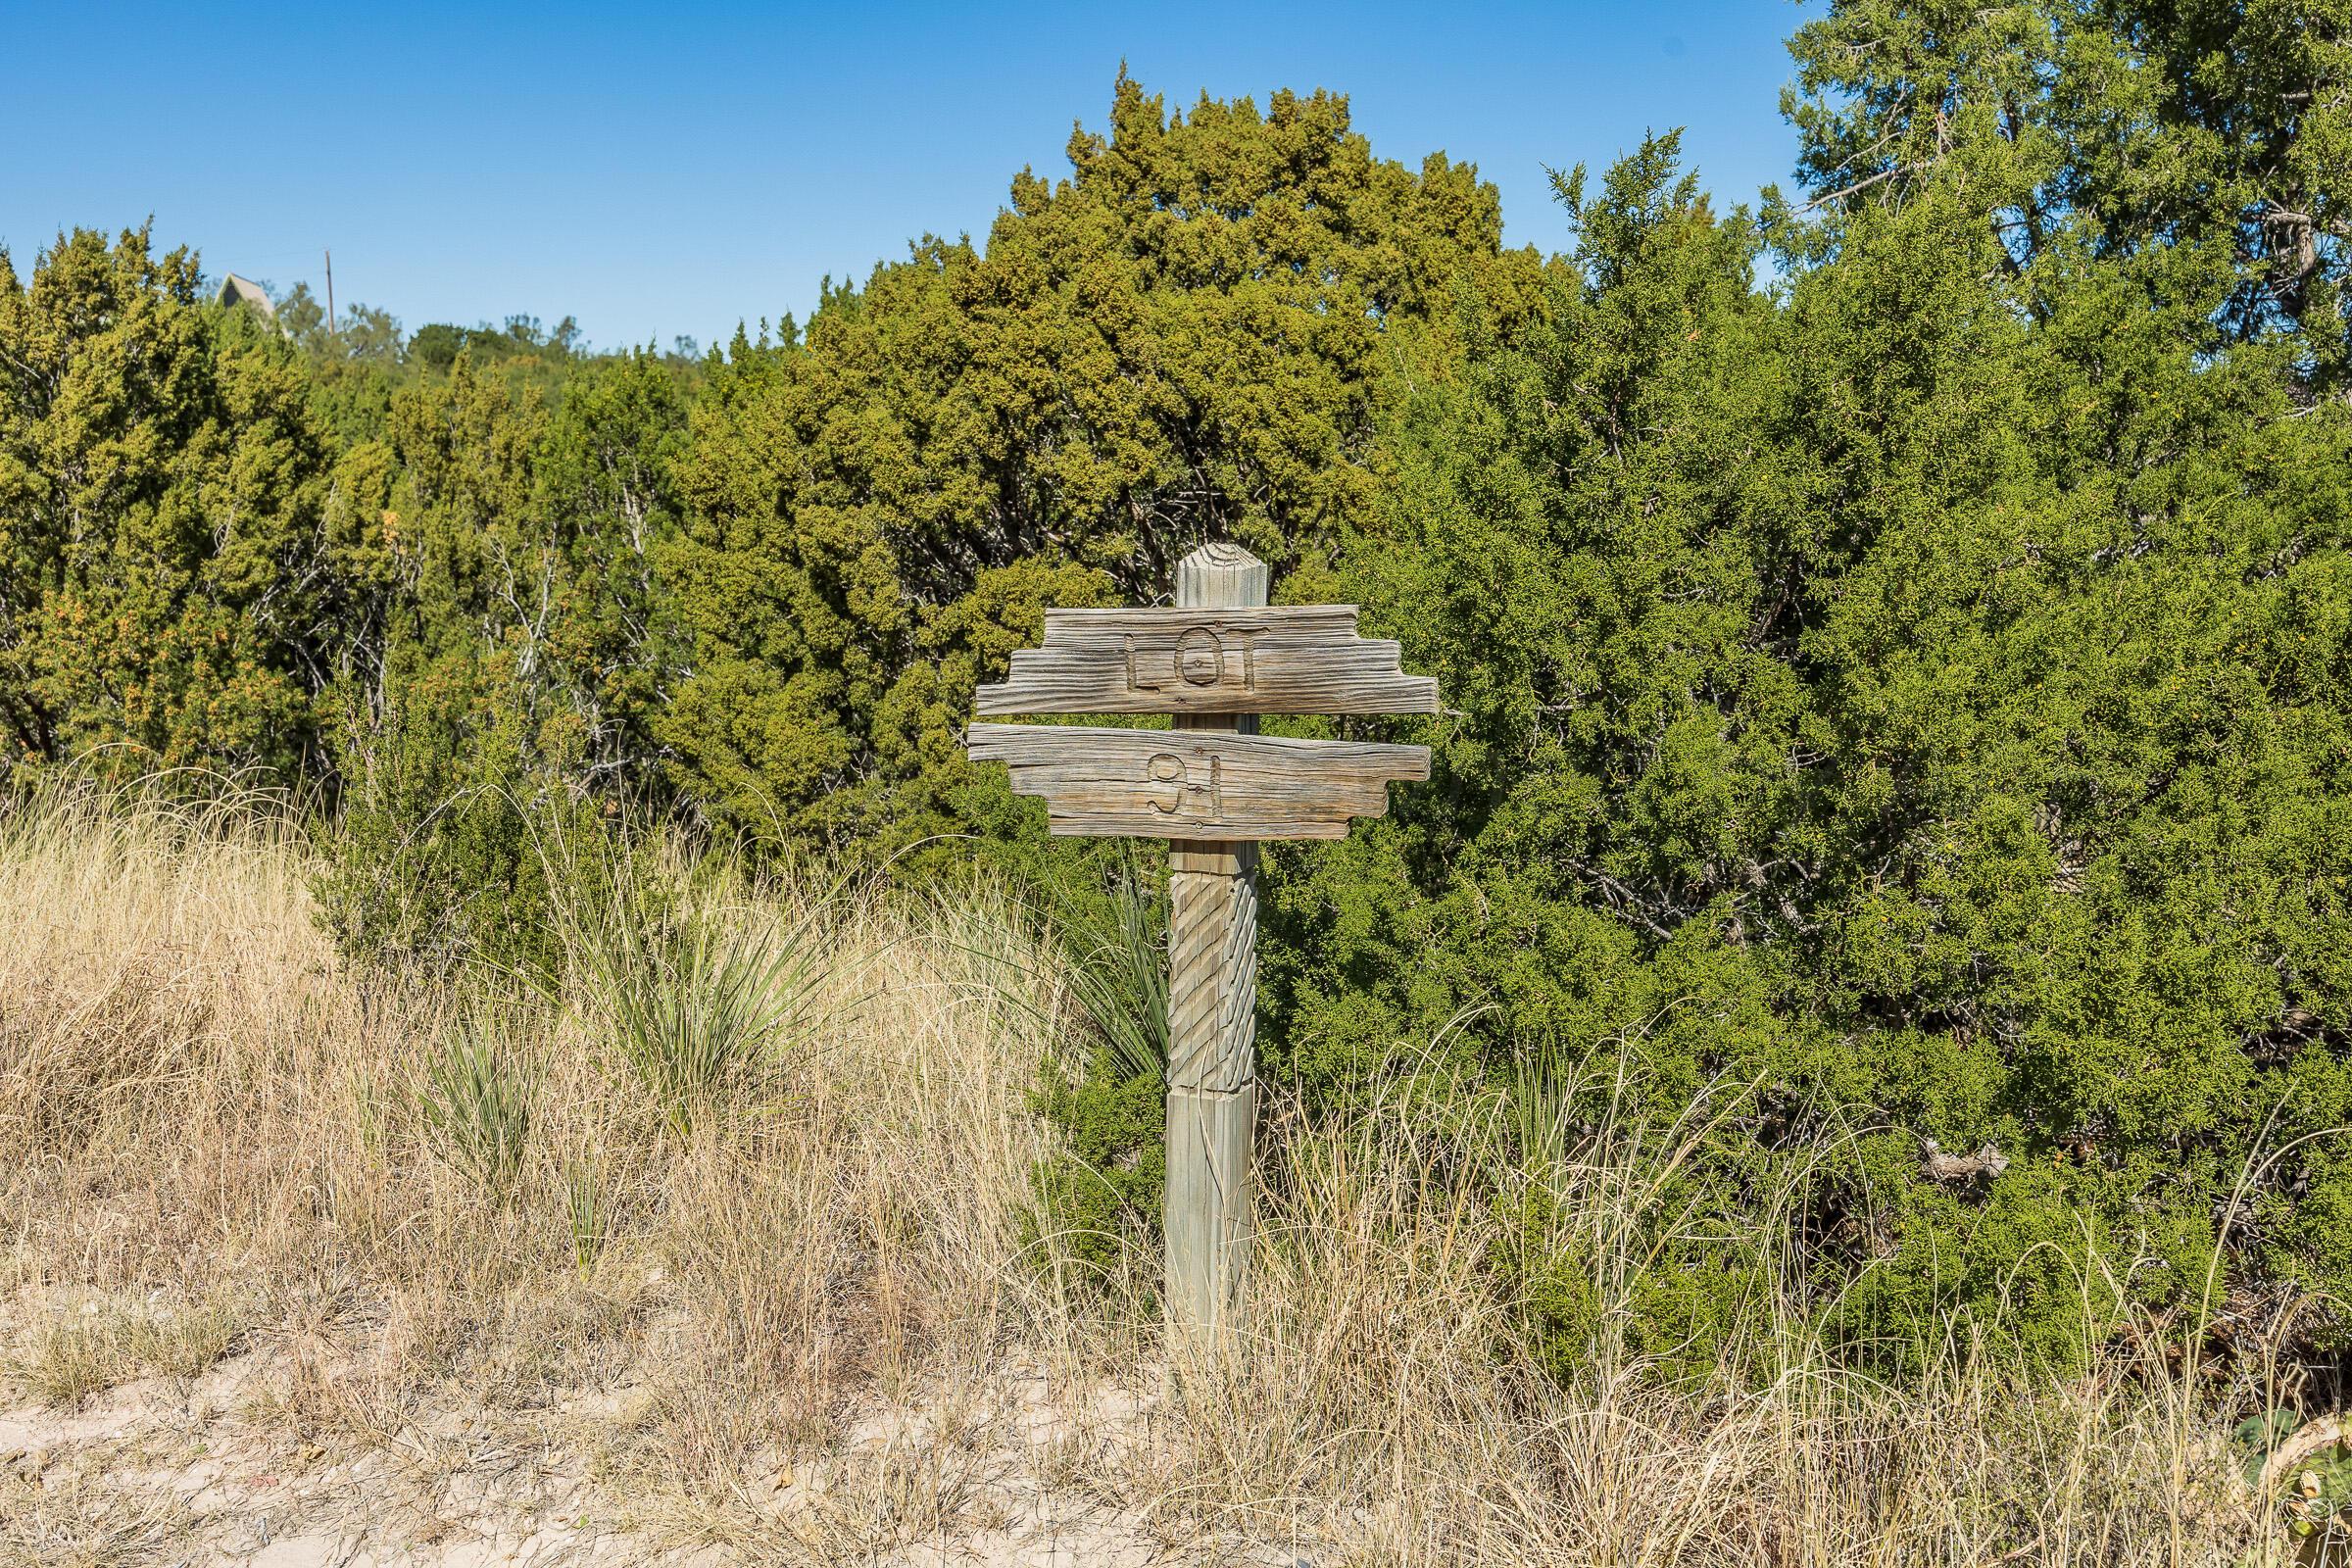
(1212, 994)
(1212, 941)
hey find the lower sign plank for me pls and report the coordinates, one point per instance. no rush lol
(1195, 784)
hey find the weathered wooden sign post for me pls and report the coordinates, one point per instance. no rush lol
(1212, 787)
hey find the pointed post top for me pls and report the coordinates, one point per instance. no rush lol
(1220, 576)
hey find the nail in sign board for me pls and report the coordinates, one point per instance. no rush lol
(1211, 786)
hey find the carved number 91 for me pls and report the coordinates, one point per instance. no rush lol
(1177, 792)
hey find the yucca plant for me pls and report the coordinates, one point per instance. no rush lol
(586, 1210)
(701, 1004)
(476, 1106)
(1118, 974)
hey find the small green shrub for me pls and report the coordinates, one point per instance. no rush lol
(702, 1004)
(1620, 1244)
(440, 855)
(476, 1106)
(1104, 1188)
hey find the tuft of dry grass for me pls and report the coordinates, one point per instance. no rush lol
(82, 1522)
(67, 1355)
(814, 1317)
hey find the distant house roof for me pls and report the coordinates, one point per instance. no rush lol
(235, 290)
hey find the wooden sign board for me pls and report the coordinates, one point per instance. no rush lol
(1211, 786)
(1298, 659)
(1198, 663)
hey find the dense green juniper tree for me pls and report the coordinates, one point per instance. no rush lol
(1191, 336)
(2123, 125)
(1915, 697)
(507, 650)
(161, 485)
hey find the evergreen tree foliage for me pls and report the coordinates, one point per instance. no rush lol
(2124, 124)
(506, 654)
(1191, 336)
(1915, 700)
(161, 484)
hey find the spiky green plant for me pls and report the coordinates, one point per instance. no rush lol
(475, 1106)
(1118, 974)
(701, 1004)
(587, 1211)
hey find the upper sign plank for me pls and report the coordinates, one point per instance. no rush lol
(1208, 785)
(1299, 658)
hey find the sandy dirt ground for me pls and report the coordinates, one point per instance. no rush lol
(196, 1472)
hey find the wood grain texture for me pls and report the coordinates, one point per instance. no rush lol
(1208, 785)
(1303, 658)
(1211, 1198)
(1212, 786)
(1212, 1010)
(1221, 576)
(1212, 960)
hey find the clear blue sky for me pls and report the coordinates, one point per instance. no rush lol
(658, 171)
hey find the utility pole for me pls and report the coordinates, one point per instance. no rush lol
(331, 293)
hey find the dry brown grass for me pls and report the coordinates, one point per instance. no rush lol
(78, 1522)
(824, 1326)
